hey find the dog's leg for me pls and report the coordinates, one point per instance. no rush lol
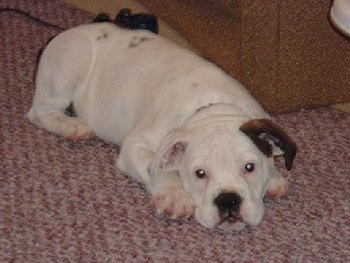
(168, 195)
(62, 65)
(134, 160)
(170, 198)
(277, 185)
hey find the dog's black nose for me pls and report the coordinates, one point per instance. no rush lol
(228, 203)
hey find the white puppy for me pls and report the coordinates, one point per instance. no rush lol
(195, 137)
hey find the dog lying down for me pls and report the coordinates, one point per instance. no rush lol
(194, 136)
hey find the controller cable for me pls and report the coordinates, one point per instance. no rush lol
(124, 19)
(28, 15)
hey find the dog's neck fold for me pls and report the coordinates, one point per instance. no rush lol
(218, 109)
(215, 113)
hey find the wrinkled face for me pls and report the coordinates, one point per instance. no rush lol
(226, 175)
(225, 166)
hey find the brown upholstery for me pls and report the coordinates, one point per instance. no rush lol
(286, 52)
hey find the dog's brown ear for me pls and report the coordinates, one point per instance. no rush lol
(266, 135)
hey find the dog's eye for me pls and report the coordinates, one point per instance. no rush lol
(200, 173)
(249, 167)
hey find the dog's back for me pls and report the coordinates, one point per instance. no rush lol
(118, 79)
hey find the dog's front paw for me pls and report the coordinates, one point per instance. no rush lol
(278, 187)
(173, 202)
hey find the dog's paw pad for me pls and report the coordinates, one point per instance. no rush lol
(81, 136)
(173, 204)
(278, 187)
(75, 129)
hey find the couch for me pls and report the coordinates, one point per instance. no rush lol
(286, 52)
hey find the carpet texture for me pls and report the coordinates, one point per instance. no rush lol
(66, 202)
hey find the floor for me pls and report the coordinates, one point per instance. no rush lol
(113, 6)
(343, 107)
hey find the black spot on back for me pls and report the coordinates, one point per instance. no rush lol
(135, 41)
(102, 36)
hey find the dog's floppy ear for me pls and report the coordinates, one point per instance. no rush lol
(170, 152)
(173, 155)
(269, 137)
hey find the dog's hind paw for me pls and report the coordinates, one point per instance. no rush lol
(81, 136)
(73, 128)
(173, 202)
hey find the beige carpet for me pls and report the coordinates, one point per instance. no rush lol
(342, 107)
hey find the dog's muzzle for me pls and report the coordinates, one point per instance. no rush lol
(228, 205)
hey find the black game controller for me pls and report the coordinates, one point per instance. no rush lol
(127, 20)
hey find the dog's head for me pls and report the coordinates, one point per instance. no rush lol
(224, 166)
